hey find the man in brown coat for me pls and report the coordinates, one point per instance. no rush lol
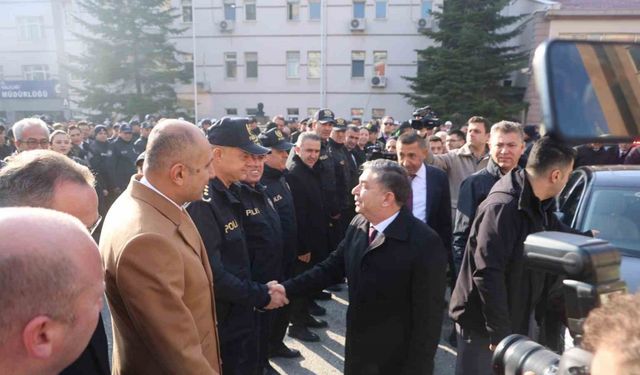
(158, 279)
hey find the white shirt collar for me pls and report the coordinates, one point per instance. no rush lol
(146, 183)
(381, 226)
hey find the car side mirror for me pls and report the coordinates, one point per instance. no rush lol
(590, 91)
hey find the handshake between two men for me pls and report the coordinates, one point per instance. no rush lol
(278, 296)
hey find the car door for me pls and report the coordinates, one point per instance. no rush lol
(571, 198)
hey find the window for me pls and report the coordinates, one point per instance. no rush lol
(377, 113)
(30, 28)
(357, 64)
(231, 111)
(230, 65)
(358, 9)
(357, 113)
(425, 11)
(35, 72)
(293, 114)
(313, 64)
(381, 9)
(249, 10)
(187, 11)
(229, 10)
(379, 63)
(422, 65)
(314, 10)
(251, 63)
(570, 197)
(293, 64)
(312, 111)
(293, 10)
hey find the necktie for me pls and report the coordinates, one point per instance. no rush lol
(410, 199)
(372, 233)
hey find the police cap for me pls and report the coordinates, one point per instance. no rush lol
(275, 139)
(234, 132)
(324, 115)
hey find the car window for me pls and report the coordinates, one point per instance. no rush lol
(615, 212)
(570, 197)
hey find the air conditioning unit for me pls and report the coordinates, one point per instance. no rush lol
(204, 86)
(379, 81)
(425, 24)
(226, 25)
(357, 24)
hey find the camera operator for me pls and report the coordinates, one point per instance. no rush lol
(495, 294)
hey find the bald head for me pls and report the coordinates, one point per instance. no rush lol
(178, 160)
(172, 141)
(50, 275)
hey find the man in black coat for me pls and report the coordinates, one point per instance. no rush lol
(396, 268)
(279, 192)
(219, 219)
(305, 179)
(430, 201)
(123, 165)
(495, 293)
(506, 145)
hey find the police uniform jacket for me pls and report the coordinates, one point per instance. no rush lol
(218, 217)
(124, 163)
(140, 145)
(262, 227)
(342, 162)
(330, 182)
(277, 189)
(100, 162)
(311, 212)
(396, 295)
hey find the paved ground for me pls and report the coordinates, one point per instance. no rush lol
(327, 356)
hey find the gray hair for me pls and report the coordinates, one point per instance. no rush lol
(392, 177)
(20, 126)
(307, 136)
(30, 178)
(505, 127)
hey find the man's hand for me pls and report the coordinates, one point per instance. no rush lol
(305, 258)
(278, 296)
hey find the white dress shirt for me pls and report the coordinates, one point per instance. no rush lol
(381, 226)
(419, 189)
(146, 183)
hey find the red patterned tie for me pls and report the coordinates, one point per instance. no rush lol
(372, 233)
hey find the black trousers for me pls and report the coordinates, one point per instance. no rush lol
(281, 316)
(299, 306)
(474, 356)
(240, 355)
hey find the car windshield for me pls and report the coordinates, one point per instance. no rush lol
(615, 212)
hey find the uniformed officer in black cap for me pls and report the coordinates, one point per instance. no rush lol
(140, 144)
(277, 189)
(263, 230)
(124, 159)
(219, 217)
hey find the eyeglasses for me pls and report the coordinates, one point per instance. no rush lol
(94, 226)
(32, 142)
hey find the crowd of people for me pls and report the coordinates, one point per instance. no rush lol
(217, 239)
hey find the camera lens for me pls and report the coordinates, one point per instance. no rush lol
(517, 354)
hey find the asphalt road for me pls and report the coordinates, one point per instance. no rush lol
(327, 356)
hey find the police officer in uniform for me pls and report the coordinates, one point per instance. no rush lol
(263, 230)
(342, 161)
(140, 144)
(100, 161)
(277, 189)
(124, 159)
(219, 218)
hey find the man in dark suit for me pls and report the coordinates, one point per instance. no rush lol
(430, 200)
(396, 270)
(69, 184)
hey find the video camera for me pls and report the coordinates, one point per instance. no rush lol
(591, 268)
(376, 151)
(425, 117)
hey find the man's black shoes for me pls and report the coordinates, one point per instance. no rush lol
(315, 309)
(284, 352)
(303, 334)
(312, 322)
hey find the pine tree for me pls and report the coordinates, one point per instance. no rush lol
(128, 66)
(464, 71)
